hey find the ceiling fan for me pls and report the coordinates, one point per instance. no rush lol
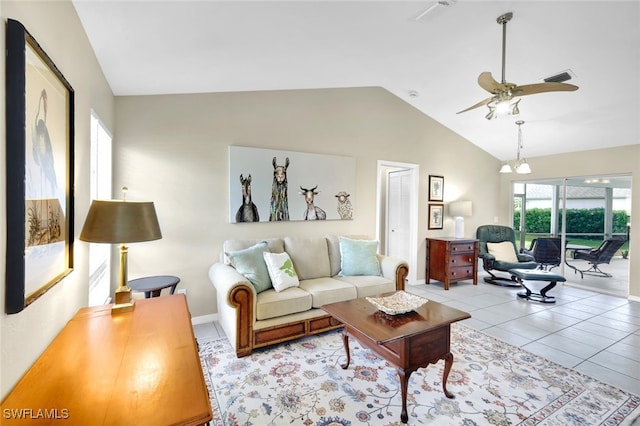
(502, 101)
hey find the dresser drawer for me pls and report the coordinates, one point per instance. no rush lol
(465, 247)
(463, 259)
(460, 272)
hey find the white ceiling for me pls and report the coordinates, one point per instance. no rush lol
(163, 47)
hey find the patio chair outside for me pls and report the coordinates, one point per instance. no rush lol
(546, 251)
(600, 255)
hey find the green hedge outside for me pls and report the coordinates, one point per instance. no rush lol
(579, 221)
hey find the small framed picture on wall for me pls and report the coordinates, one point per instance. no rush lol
(436, 213)
(436, 188)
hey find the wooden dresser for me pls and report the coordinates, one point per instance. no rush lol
(138, 367)
(451, 259)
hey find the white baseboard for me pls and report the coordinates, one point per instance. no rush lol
(203, 319)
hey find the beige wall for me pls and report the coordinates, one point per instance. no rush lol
(173, 150)
(623, 160)
(56, 27)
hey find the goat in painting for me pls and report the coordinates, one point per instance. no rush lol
(313, 212)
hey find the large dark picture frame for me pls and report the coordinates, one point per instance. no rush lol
(40, 164)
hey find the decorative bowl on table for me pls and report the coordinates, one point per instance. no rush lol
(400, 302)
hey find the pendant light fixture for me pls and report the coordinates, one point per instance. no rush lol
(520, 166)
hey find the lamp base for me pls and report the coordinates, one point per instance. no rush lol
(459, 227)
(123, 301)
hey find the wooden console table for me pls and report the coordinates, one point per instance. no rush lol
(451, 259)
(138, 367)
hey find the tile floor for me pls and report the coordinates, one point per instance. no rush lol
(597, 334)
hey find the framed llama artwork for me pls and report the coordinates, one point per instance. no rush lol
(267, 185)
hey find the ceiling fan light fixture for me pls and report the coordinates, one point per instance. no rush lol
(491, 114)
(515, 110)
(502, 106)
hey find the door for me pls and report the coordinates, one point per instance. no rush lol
(399, 214)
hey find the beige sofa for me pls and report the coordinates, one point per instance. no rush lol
(253, 320)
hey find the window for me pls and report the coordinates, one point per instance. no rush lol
(100, 254)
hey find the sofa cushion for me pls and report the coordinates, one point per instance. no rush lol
(275, 245)
(271, 304)
(328, 290)
(250, 263)
(310, 256)
(369, 286)
(359, 257)
(281, 271)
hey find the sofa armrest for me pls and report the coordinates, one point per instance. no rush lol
(394, 269)
(236, 298)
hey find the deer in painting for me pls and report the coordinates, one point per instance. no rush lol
(313, 212)
(279, 200)
(248, 212)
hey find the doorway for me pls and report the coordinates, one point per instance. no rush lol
(397, 212)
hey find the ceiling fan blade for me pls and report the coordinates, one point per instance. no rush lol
(479, 104)
(488, 83)
(530, 89)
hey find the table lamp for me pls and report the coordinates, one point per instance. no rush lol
(459, 210)
(121, 222)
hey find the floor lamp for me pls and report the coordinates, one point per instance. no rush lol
(459, 210)
(121, 222)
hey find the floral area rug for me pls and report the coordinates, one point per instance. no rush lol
(494, 383)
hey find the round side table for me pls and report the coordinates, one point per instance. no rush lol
(152, 286)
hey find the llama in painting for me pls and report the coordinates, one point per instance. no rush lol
(279, 200)
(345, 209)
(313, 212)
(248, 212)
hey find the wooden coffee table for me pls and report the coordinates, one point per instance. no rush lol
(408, 341)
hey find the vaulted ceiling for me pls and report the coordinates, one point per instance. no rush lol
(431, 61)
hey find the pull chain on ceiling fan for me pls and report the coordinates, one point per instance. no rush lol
(502, 102)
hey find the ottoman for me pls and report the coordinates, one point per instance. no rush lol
(522, 275)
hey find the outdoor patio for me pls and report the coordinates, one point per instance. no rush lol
(616, 285)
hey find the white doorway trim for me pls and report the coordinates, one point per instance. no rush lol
(381, 225)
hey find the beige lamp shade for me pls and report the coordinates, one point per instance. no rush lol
(460, 209)
(114, 221)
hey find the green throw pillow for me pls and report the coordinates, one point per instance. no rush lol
(250, 263)
(358, 257)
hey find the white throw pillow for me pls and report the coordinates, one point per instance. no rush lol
(504, 251)
(281, 271)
